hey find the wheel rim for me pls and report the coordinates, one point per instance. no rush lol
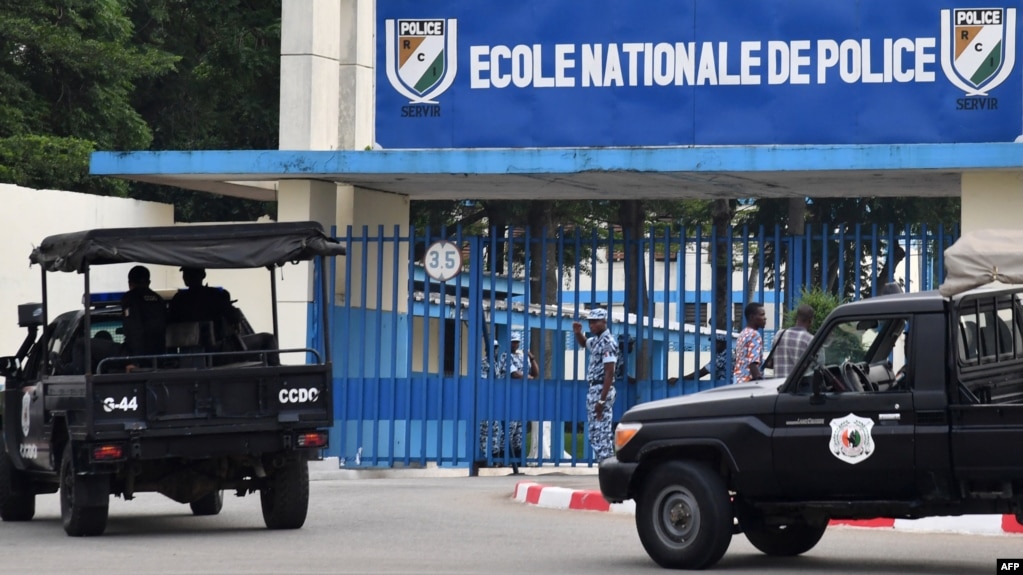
(677, 516)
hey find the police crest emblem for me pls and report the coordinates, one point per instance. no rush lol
(26, 416)
(421, 57)
(978, 47)
(851, 440)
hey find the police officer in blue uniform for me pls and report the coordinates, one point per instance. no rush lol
(600, 373)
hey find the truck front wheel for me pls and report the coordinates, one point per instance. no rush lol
(684, 516)
(17, 501)
(84, 499)
(285, 497)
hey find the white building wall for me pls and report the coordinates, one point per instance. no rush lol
(31, 215)
(991, 200)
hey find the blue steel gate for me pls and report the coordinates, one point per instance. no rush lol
(408, 349)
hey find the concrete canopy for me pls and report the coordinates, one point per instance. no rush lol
(701, 172)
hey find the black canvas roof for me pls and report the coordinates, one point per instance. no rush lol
(216, 246)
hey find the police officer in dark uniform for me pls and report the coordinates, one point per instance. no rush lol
(145, 316)
(200, 302)
(102, 346)
(203, 303)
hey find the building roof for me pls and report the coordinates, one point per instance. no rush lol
(676, 172)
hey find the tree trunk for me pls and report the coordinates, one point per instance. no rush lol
(796, 228)
(631, 216)
(722, 214)
(543, 279)
(499, 227)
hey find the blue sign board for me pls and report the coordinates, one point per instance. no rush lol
(551, 73)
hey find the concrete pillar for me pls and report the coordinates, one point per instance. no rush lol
(328, 100)
(309, 111)
(300, 200)
(992, 199)
(310, 71)
(357, 75)
(358, 208)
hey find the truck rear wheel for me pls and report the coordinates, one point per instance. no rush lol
(684, 516)
(17, 501)
(209, 504)
(84, 500)
(285, 497)
(785, 539)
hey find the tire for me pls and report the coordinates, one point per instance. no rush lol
(17, 501)
(80, 520)
(782, 540)
(684, 516)
(209, 504)
(285, 497)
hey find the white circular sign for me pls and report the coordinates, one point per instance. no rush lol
(443, 261)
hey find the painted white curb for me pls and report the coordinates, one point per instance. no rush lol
(540, 495)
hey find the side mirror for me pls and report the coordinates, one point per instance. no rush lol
(9, 366)
(818, 385)
(30, 315)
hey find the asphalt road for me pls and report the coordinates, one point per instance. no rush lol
(436, 525)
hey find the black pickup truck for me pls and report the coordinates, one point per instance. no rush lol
(850, 434)
(205, 416)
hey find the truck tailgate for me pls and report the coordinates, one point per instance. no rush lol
(185, 401)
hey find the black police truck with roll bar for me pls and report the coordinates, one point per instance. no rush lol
(221, 409)
(903, 406)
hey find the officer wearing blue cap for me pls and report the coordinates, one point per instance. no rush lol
(600, 373)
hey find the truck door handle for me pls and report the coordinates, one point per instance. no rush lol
(889, 417)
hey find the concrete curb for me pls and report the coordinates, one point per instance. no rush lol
(540, 495)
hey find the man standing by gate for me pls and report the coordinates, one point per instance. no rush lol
(600, 373)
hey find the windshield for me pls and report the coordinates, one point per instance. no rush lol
(860, 341)
(856, 354)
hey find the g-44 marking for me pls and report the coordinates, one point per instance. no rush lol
(126, 404)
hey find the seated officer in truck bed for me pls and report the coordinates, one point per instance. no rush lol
(201, 303)
(145, 316)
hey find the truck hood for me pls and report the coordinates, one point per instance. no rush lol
(738, 399)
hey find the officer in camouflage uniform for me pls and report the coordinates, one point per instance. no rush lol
(600, 398)
(514, 364)
(492, 430)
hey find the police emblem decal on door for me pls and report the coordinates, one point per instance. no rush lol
(851, 440)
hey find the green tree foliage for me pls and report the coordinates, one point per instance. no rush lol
(66, 81)
(85, 75)
(223, 93)
(52, 162)
(822, 303)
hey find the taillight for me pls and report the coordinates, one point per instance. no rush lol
(107, 452)
(315, 439)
